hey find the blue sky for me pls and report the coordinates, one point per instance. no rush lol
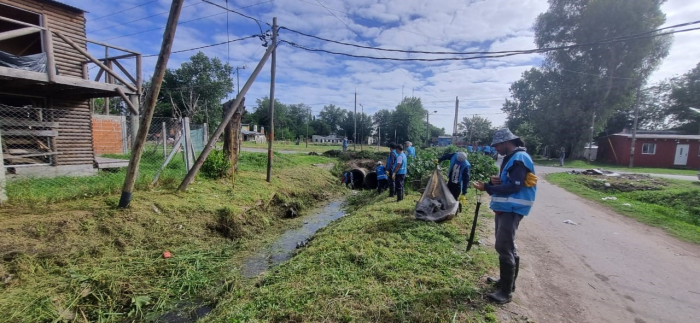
(318, 79)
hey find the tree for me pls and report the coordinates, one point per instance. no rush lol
(409, 121)
(476, 128)
(261, 116)
(684, 95)
(382, 120)
(196, 90)
(560, 99)
(333, 116)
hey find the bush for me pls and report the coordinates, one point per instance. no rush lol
(216, 165)
(421, 167)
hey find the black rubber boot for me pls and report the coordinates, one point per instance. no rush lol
(497, 282)
(399, 195)
(504, 293)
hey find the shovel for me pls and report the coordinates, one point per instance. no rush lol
(476, 217)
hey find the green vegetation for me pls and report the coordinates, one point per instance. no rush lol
(612, 167)
(377, 264)
(671, 205)
(84, 260)
(423, 166)
(216, 165)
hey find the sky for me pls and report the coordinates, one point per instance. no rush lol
(319, 79)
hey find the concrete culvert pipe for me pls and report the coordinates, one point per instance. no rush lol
(358, 177)
(371, 181)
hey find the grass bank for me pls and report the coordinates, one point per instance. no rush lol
(83, 260)
(377, 264)
(668, 204)
(588, 165)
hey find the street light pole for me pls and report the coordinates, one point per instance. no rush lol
(427, 128)
(307, 127)
(362, 123)
(238, 82)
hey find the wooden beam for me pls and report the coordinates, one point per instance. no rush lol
(18, 32)
(3, 194)
(121, 68)
(99, 75)
(131, 106)
(16, 122)
(115, 57)
(48, 48)
(60, 80)
(94, 60)
(111, 46)
(139, 76)
(85, 71)
(36, 133)
(22, 23)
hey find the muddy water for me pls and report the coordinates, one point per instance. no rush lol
(283, 248)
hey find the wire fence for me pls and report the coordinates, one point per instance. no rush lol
(51, 155)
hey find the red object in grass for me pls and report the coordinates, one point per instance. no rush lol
(166, 254)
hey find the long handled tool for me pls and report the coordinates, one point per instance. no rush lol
(476, 217)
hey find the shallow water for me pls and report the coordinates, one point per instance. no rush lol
(283, 248)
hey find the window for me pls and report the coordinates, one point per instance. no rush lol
(20, 45)
(648, 149)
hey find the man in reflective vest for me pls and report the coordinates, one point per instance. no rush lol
(512, 195)
(458, 176)
(400, 171)
(390, 164)
(410, 150)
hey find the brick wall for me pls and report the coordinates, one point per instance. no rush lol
(107, 134)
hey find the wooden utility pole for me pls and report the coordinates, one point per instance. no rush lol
(150, 103)
(220, 129)
(362, 125)
(354, 135)
(590, 139)
(427, 129)
(3, 193)
(454, 125)
(308, 119)
(273, 69)
(634, 127)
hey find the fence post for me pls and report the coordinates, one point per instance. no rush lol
(188, 143)
(3, 193)
(205, 132)
(164, 137)
(125, 136)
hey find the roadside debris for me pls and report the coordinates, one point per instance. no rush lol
(166, 254)
(626, 204)
(611, 198)
(570, 222)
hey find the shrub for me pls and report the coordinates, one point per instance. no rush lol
(421, 167)
(216, 165)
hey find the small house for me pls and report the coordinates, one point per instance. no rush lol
(46, 125)
(652, 149)
(444, 141)
(331, 139)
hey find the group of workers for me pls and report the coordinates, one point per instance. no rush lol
(393, 173)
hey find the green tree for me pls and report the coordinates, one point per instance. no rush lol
(333, 116)
(476, 128)
(560, 99)
(383, 124)
(684, 95)
(409, 121)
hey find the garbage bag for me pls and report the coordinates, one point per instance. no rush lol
(437, 203)
(34, 62)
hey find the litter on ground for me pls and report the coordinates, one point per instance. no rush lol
(570, 222)
(612, 198)
(626, 204)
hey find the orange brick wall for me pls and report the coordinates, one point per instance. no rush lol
(107, 135)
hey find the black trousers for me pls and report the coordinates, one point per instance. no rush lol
(382, 184)
(392, 185)
(454, 189)
(506, 226)
(400, 179)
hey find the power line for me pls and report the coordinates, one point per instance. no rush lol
(365, 40)
(238, 13)
(144, 18)
(397, 28)
(511, 53)
(206, 46)
(187, 21)
(114, 13)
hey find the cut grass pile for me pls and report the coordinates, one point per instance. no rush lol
(377, 264)
(581, 164)
(669, 204)
(84, 260)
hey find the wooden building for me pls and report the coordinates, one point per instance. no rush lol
(45, 87)
(666, 150)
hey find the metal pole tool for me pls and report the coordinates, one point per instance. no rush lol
(476, 217)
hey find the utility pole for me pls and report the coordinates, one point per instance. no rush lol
(471, 127)
(379, 137)
(427, 129)
(307, 127)
(634, 127)
(362, 125)
(150, 103)
(273, 69)
(454, 125)
(238, 81)
(225, 120)
(590, 139)
(354, 135)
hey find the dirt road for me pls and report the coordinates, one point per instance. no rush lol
(608, 268)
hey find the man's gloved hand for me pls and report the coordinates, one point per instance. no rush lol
(436, 161)
(463, 199)
(530, 180)
(387, 173)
